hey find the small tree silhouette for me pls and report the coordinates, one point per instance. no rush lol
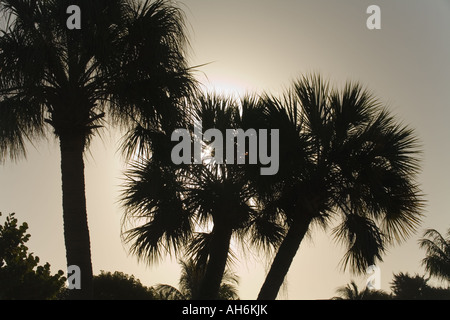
(21, 278)
(120, 286)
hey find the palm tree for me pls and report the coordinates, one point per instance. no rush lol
(352, 292)
(179, 202)
(349, 292)
(126, 65)
(437, 260)
(342, 157)
(190, 280)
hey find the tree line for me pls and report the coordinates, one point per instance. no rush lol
(22, 278)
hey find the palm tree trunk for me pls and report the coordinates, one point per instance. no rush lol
(76, 231)
(283, 259)
(220, 245)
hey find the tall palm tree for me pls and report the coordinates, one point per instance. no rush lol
(178, 201)
(437, 260)
(342, 156)
(190, 280)
(125, 65)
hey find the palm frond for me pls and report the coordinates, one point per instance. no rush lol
(349, 292)
(152, 194)
(20, 121)
(364, 241)
(437, 259)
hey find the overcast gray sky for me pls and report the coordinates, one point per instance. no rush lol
(262, 45)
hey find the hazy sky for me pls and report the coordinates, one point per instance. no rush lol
(262, 45)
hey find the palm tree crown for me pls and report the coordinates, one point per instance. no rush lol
(342, 156)
(437, 260)
(352, 292)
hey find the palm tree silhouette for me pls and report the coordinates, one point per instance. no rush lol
(125, 65)
(437, 260)
(342, 157)
(349, 292)
(352, 292)
(176, 201)
(190, 281)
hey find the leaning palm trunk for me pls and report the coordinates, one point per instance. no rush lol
(359, 163)
(283, 259)
(220, 245)
(76, 232)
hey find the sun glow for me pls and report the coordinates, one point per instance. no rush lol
(226, 87)
(207, 153)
